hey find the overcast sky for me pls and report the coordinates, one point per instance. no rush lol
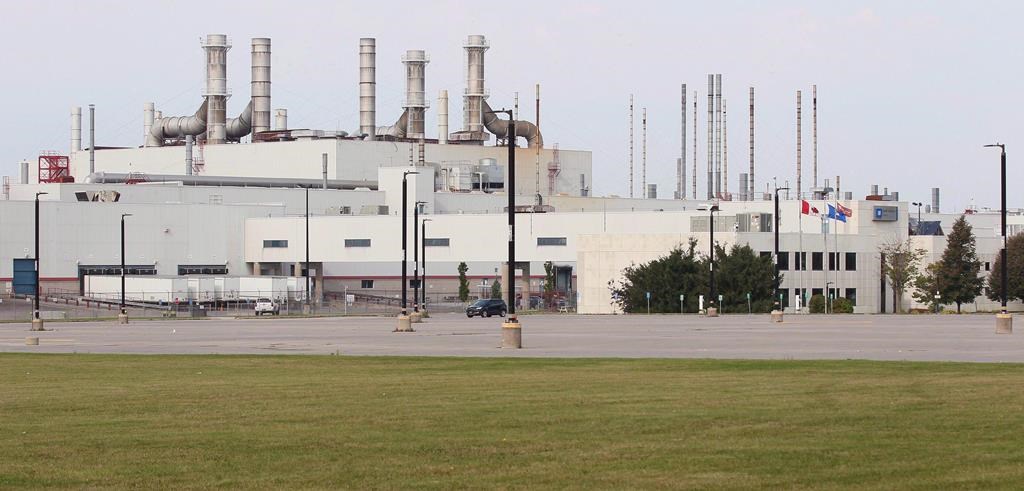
(908, 91)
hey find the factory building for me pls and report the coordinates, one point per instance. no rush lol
(213, 195)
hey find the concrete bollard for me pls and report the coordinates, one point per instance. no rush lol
(122, 318)
(511, 335)
(32, 341)
(404, 324)
(415, 318)
(1004, 323)
(37, 325)
(777, 316)
(712, 312)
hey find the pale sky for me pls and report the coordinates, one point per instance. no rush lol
(908, 91)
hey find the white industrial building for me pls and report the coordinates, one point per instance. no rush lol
(212, 196)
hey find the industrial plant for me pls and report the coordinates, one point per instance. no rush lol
(222, 207)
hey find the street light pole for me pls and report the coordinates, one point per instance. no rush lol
(423, 276)
(37, 323)
(416, 255)
(918, 205)
(1004, 322)
(123, 317)
(511, 332)
(403, 319)
(305, 307)
(776, 283)
(711, 264)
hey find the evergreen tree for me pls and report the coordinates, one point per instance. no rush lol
(1014, 271)
(740, 271)
(463, 282)
(958, 274)
(496, 289)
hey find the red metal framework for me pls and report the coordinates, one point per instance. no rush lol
(54, 168)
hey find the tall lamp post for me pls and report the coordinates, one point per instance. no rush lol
(122, 317)
(404, 322)
(1004, 322)
(918, 205)
(305, 306)
(423, 257)
(37, 323)
(511, 332)
(712, 311)
(777, 301)
(417, 317)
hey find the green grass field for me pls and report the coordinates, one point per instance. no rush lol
(74, 421)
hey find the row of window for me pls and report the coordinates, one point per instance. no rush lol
(134, 270)
(817, 261)
(847, 293)
(429, 242)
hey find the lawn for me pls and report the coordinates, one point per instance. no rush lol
(74, 421)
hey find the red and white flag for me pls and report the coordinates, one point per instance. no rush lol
(807, 209)
(844, 210)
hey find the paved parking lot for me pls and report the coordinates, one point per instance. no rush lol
(909, 337)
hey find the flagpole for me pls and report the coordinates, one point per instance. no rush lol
(835, 236)
(800, 258)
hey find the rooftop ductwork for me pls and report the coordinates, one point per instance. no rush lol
(233, 181)
(499, 127)
(367, 86)
(236, 128)
(178, 126)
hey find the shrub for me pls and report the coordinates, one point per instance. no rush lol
(817, 304)
(842, 306)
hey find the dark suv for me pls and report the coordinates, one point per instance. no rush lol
(487, 308)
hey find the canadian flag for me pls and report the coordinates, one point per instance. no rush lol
(807, 209)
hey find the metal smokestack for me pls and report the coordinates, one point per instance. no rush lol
(744, 186)
(643, 159)
(442, 117)
(189, 141)
(216, 93)
(694, 178)
(799, 190)
(92, 138)
(750, 174)
(148, 117)
(725, 152)
(323, 158)
(76, 129)
(368, 86)
(476, 46)
(260, 88)
(415, 62)
(814, 132)
(874, 189)
(281, 119)
(681, 165)
(718, 134)
(935, 200)
(631, 139)
(711, 133)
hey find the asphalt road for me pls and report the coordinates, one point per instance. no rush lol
(873, 337)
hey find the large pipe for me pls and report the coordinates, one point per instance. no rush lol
(260, 85)
(189, 140)
(178, 126)
(216, 93)
(235, 128)
(92, 138)
(935, 200)
(368, 86)
(148, 119)
(415, 61)
(280, 119)
(23, 172)
(442, 117)
(231, 181)
(475, 47)
(499, 127)
(323, 158)
(76, 129)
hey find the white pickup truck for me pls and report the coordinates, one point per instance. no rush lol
(267, 306)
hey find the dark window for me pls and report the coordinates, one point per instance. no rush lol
(851, 261)
(275, 243)
(797, 292)
(366, 284)
(801, 260)
(833, 260)
(815, 291)
(187, 269)
(851, 295)
(551, 241)
(767, 254)
(785, 296)
(832, 293)
(357, 242)
(130, 269)
(436, 242)
(414, 283)
(988, 266)
(816, 261)
(783, 261)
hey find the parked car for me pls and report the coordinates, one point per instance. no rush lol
(267, 306)
(487, 307)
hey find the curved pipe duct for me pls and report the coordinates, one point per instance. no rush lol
(524, 129)
(179, 126)
(397, 130)
(233, 181)
(240, 126)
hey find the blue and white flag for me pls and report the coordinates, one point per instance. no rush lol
(836, 216)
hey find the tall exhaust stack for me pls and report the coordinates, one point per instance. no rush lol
(935, 200)
(799, 189)
(442, 117)
(694, 177)
(368, 86)
(216, 93)
(681, 165)
(280, 119)
(631, 139)
(643, 159)
(750, 174)
(725, 151)
(260, 89)
(814, 132)
(92, 138)
(476, 46)
(148, 118)
(415, 61)
(76, 129)
(718, 134)
(711, 134)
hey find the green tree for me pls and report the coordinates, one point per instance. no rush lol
(1014, 271)
(958, 274)
(926, 284)
(549, 278)
(681, 272)
(900, 267)
(817, 304)
(463, 282)
(740, 271)
(496, 289)
(842, 306)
